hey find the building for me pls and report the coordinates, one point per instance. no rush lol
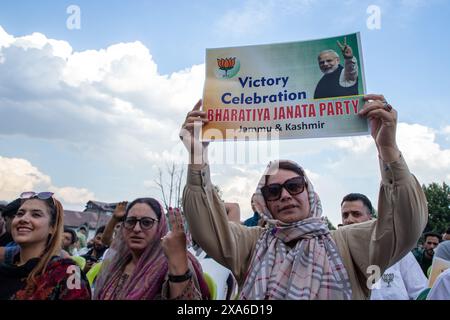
(96, 214)
(100, 207)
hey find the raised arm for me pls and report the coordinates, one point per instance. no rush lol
(350, 65)
(118, 214)
(175, 250)
(383, 126)
(402, 206)
(233, 212)
(230, 244)
(190, 135)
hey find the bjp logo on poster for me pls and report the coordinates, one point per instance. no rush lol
(227, 67)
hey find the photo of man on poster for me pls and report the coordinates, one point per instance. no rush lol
(337, 80)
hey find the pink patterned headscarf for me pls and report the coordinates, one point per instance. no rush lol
(312, 269)
(149, 274)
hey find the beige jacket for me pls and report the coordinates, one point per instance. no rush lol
(402, 216)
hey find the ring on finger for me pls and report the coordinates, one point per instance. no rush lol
(387, 106)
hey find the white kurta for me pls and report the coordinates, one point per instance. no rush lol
(402, 281)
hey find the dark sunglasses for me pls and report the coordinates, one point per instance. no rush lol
(41, 195)
(273, 191)
(146, 223)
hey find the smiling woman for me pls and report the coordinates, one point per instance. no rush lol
(37, 272)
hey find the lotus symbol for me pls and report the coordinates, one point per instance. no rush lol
(388, 278)
(226, 64)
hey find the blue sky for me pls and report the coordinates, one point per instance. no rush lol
(79, 139)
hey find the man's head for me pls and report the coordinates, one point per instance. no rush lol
(328, 61)
(83, 229)
(253, 203)
(98, 244)
(431, 241)
(2, 221)
(2, 225)
(9, 212)
(355, 208)
(69, 238)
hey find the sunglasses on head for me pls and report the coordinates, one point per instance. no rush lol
(41, 195)
(272, 192)
(146, 223)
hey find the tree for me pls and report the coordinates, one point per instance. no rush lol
(438, 197)
(171, 188)
(329, 224)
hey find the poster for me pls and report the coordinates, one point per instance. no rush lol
(285, 91)
(438, 266)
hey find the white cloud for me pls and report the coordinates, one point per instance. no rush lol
(73, 196)
(117, 64)
(19, 175)
(446, 131)
(5, 38)
(112, 100)
(238, 183)
(356, 144)
(425, 156)
(36, 40)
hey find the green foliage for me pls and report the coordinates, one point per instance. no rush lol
(375, 213)
(329, 224)
(438, 197)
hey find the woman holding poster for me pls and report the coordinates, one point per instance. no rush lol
(296, 256)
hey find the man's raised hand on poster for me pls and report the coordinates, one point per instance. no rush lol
(347, 51)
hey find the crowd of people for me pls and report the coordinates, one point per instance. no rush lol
(284, 251)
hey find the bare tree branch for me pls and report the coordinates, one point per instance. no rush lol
(171, 171)
(161, 187)
(172, 190)
(180, 179)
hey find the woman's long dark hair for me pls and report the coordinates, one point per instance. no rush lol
(53, 246)
(153, 203)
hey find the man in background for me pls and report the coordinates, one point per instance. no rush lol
(425, 254)
(402, 281)
(69, 238)
(8, 248)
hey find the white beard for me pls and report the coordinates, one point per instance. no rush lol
(331, 69)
